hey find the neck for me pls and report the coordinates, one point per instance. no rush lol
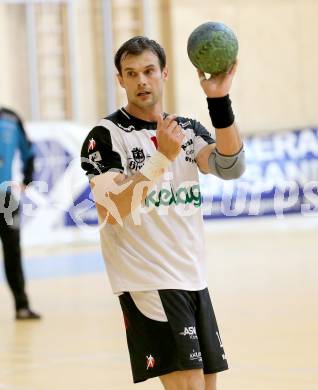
(147, 114)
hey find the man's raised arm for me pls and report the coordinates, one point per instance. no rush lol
(116, 196)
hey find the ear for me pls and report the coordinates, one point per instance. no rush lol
(120, 79)
(165, 73)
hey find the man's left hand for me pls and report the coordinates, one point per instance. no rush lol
(219, 85)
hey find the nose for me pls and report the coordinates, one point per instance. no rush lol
(141, 79)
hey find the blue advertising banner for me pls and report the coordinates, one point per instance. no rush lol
(281, 177)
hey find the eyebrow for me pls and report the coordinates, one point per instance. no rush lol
(146, 67)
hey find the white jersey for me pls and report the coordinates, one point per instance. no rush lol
(160, 245)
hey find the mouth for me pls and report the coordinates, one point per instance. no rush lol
(143, 93)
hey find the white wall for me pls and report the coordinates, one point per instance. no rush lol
(276, 86)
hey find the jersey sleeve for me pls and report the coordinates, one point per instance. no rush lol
(202, 137)
(102, 152)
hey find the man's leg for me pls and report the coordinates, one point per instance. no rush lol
(210, 381)
(190, 379)
(184, 380)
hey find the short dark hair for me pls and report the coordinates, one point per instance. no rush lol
(136, 46)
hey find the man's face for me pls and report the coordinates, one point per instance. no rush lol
(142, 79)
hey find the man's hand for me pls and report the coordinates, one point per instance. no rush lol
(169, 136)
(217, 86)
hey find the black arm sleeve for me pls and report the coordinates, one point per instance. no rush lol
(98, 154)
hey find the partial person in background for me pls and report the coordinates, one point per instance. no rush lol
(12, 139)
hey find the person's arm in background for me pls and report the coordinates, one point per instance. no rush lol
(27, 154)
(225, 158)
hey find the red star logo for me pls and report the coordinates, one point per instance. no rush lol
(91, 144)
(150, 362)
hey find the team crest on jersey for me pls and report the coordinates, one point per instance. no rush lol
(189, 151)
(91, 145)
(138, 159)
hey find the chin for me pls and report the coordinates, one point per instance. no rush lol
(145, 104)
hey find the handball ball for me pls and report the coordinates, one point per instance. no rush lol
(212, 47)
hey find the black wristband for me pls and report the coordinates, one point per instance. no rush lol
(221, 112)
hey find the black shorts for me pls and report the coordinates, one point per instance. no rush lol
(189, 337)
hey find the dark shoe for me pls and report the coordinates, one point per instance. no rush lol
(26, 314)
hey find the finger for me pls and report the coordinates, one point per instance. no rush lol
(201, 75)
(168, 120)
(159, 120)
(180, 136)
(232, 70)
(177, 130)
(220, 77)
(172, 126)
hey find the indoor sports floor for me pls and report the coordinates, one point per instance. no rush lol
(263, 278)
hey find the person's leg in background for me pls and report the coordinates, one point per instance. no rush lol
(10, 237)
